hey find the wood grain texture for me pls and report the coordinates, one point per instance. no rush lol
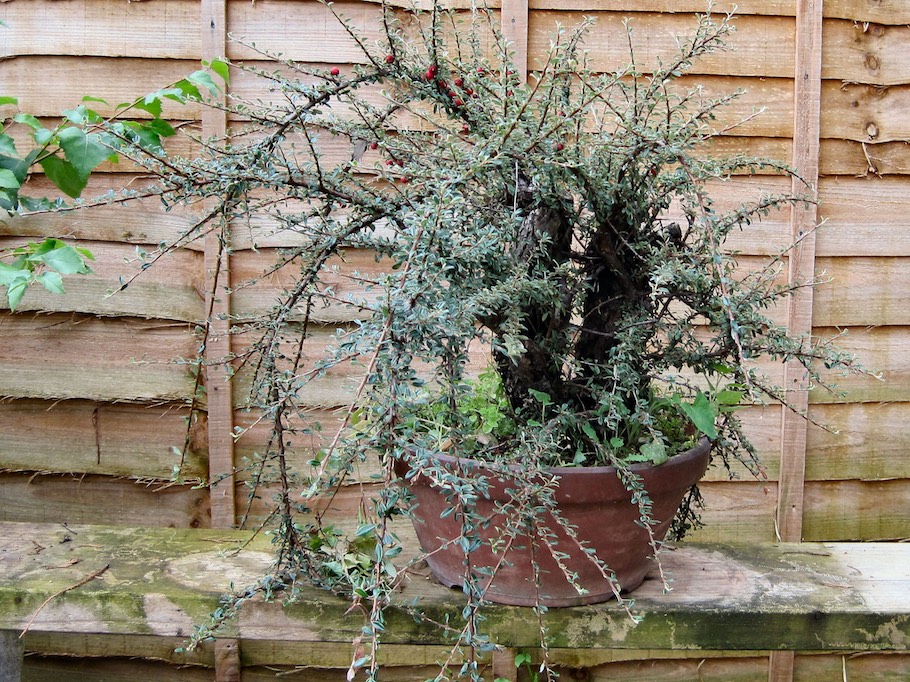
(864, 217)
(801, 268)
(57, 499)
(884, 350)
(863, 444)
(857, 510)
(163, 30)
(71, 356)
(171, 290)
(761, 46)
(77, 436)
(739, 596)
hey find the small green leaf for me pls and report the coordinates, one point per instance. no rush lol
(89, 98)
(64, 175)
(7, 145)
(589, 432)
(43, 136)
(65, 260)
(6, 99)
(84, 152)
(8, 179)
(654, 452)
(52, 281)
(541, 397)
(203, 79)
(703, 413)
(28, 120)
(220, 67)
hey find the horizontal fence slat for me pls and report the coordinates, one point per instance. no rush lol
(171, 290)
(884, 350)
(77, 436)
(101, 28)
(102, 500)
(60, 356)
(837, 511)
(857, 291)
(864, 442)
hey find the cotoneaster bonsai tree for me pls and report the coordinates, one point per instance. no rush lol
(551, 289)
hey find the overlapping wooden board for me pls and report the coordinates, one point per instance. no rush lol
(63, 356)
(90, 498)
(81, 436)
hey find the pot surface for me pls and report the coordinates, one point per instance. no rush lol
(593, 503)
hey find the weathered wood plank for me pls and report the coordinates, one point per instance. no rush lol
(857, 510)
(98, 28)
(77, 436)
(54, 669)
(864, 113)
(58, 499)
(850, 158)
(859, 291)
(281, 26)
(171, 290)
(869, 443)
(880, 349)
(861, 52)
(864, 217)
(761, 46)
(71, 356)
(142, 222)
(35, 81)
(724, 596)
(881, 11)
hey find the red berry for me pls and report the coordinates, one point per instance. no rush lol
(468, 91)
(335, 71)
(374, 145)
(560, 146)
(465, 129)
(389, 58)
(458, 103)
(459, 82)
(450, 93)
(390, 162)
(481, 71)
(431, 72)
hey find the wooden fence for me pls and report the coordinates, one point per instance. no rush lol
(96, 395)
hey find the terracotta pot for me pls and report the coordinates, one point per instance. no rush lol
(592, 499)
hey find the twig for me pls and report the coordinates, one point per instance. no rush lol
(82, 582)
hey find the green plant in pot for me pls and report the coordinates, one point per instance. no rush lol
(553, 340)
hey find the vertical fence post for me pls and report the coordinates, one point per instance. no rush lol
(514, 21)
(218, 389)
(218, 348)
(801, 268)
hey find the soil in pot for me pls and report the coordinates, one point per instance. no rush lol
(592, 500)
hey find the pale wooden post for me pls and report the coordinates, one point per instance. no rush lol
(515, 29)
(803, 220)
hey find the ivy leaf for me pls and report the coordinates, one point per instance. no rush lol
(64, 175)
(702, 413)
(6, 99)
(84, 152)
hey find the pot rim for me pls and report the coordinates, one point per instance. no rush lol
(703, 445)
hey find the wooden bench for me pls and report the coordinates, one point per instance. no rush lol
(153, 585)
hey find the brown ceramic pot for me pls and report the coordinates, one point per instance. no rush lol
(592, 499)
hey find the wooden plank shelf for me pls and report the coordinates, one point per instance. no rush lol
(99, 581)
